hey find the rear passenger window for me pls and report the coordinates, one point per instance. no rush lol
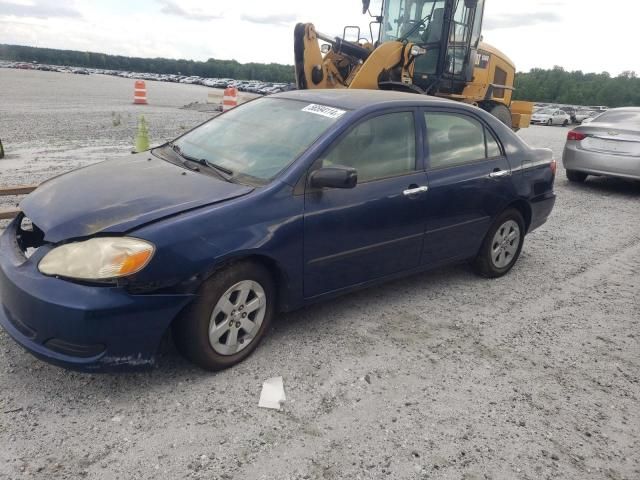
(458, 139)
(381, 147)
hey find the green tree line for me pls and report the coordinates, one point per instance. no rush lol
(551, 86)
(577, 88)
(212, 68)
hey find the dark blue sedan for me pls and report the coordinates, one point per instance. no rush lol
(278, 203)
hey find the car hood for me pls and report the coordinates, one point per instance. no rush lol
(118, 195)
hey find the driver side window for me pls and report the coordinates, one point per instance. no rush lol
(381, 147)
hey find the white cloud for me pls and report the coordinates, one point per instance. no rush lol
(39, 8)
(538, 33)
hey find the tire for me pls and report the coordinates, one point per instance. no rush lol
(191, 329)
(565, 123)
(549, 123)
(502, 113)
(501, 249)
(576, 176)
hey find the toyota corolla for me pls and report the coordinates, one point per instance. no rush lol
(276, 204)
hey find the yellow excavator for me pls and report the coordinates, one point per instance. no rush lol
(431, 47)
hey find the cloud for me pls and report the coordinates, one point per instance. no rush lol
(273, 19)
(171, 8)
(39, 9)
(520, 20)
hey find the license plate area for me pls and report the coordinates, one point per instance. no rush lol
(612, 146)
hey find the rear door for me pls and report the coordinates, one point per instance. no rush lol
(352, 236)
(469, 184)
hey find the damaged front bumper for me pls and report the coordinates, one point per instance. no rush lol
(81, 327)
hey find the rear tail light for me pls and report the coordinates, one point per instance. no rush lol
(554, 166)
(574, 135)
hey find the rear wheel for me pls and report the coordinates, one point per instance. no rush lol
(502, 245)
(549, 122)
(565, 123)
(575, 176)
(228, 319)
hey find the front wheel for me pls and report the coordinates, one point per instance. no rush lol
(228, 319)
(502, 245)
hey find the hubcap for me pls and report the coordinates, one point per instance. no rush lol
(505, 244)
(237, 317)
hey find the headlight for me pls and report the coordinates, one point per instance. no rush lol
(98, 259)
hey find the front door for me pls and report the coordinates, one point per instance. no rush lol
(352, 236)
(469, 184)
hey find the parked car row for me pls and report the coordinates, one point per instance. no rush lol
(252, 86)
(576, 114)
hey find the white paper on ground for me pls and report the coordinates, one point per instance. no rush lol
(272, 394)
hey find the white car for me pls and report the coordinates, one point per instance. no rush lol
(551, 116)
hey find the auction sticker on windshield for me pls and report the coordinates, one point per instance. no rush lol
(324, 111)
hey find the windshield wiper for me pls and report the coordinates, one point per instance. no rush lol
(218, 168)
(222, 172)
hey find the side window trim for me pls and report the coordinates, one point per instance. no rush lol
(453, 111)
(489, 132)
(420, 140)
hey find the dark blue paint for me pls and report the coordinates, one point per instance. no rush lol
(316, 243)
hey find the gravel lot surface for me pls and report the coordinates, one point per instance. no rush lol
(439, 376)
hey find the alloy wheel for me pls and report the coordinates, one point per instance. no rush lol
(237, 317)
(504, 246)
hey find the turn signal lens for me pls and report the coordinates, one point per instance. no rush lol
(101, 258)
(574, 135)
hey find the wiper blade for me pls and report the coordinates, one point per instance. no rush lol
(218, 168)
(222, 172)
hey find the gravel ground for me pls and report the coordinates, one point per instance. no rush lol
(439, 376)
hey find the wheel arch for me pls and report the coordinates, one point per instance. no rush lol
(525, 210)
(278, 273)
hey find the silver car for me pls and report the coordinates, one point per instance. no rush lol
(551, 116)
(608, 146)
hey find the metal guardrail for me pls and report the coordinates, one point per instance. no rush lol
(9, 213)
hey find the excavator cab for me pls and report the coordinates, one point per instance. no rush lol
(447, 30)
(431, 47)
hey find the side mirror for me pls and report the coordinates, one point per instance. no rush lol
(365, 6)
(351, 33)
(334, 177)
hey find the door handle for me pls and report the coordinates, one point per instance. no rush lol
(499, 174)
(415, 191)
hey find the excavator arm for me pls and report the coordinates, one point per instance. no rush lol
(349, 65)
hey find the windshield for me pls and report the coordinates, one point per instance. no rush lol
(259, 139)
(419, 21)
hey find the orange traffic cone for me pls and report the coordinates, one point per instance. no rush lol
(140, 93)
(230, 99)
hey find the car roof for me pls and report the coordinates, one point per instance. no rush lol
(357, 99)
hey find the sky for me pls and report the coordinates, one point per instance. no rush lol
(587, 35)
